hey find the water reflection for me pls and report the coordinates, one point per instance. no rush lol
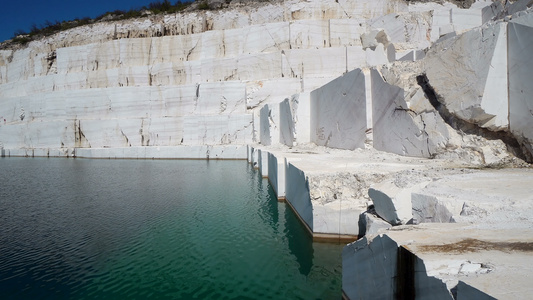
(101, 229)
(300, 242)
(269, 210)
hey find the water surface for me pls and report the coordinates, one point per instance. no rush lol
(159, 229)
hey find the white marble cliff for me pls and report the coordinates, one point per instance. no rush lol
(405, 126)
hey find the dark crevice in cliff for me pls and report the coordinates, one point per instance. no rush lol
(513, 145)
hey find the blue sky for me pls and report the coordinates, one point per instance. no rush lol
(21, 14)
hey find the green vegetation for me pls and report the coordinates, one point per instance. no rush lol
(48, 28)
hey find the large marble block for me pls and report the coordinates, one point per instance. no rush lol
(269, 124)
(396, 129)
(441, 18)
(338, 112)
(381, 261)
(286, 123)
(356, 57)
(297, 194)
(520, 87)
(346, 32)
(465, 19)
(391, 202)
(479, 99)
(263, 162)
(276, 174)
(369, 263)
(301, 113)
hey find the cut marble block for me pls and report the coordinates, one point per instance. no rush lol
(396, 129)
(393, 203)
(465, 19)
(301, 63)
(276, 174)
(264, 126)
(369, 263)
(428, 208)
(346, 32)
(309, 34)
(217, 129)
(382, 261)
(286, 123)
(249, 153)
(301, 113)
(520, 87)
(370, 224)
(441, 17)
(355, 57)
(270, 124)
(297, 194)
(377, 57)
(338, 112)
(480, 99)
(255, 158)
(263, 162)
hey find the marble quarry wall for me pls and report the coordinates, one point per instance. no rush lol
(200, 78)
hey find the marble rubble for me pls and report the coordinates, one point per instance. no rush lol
(378, 121)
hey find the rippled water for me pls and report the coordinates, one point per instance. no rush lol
(158, 229)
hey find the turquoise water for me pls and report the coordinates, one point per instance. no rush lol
(158, 229)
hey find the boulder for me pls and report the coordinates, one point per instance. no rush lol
(393, 202)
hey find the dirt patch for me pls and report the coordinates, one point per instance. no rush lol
(474, 245)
